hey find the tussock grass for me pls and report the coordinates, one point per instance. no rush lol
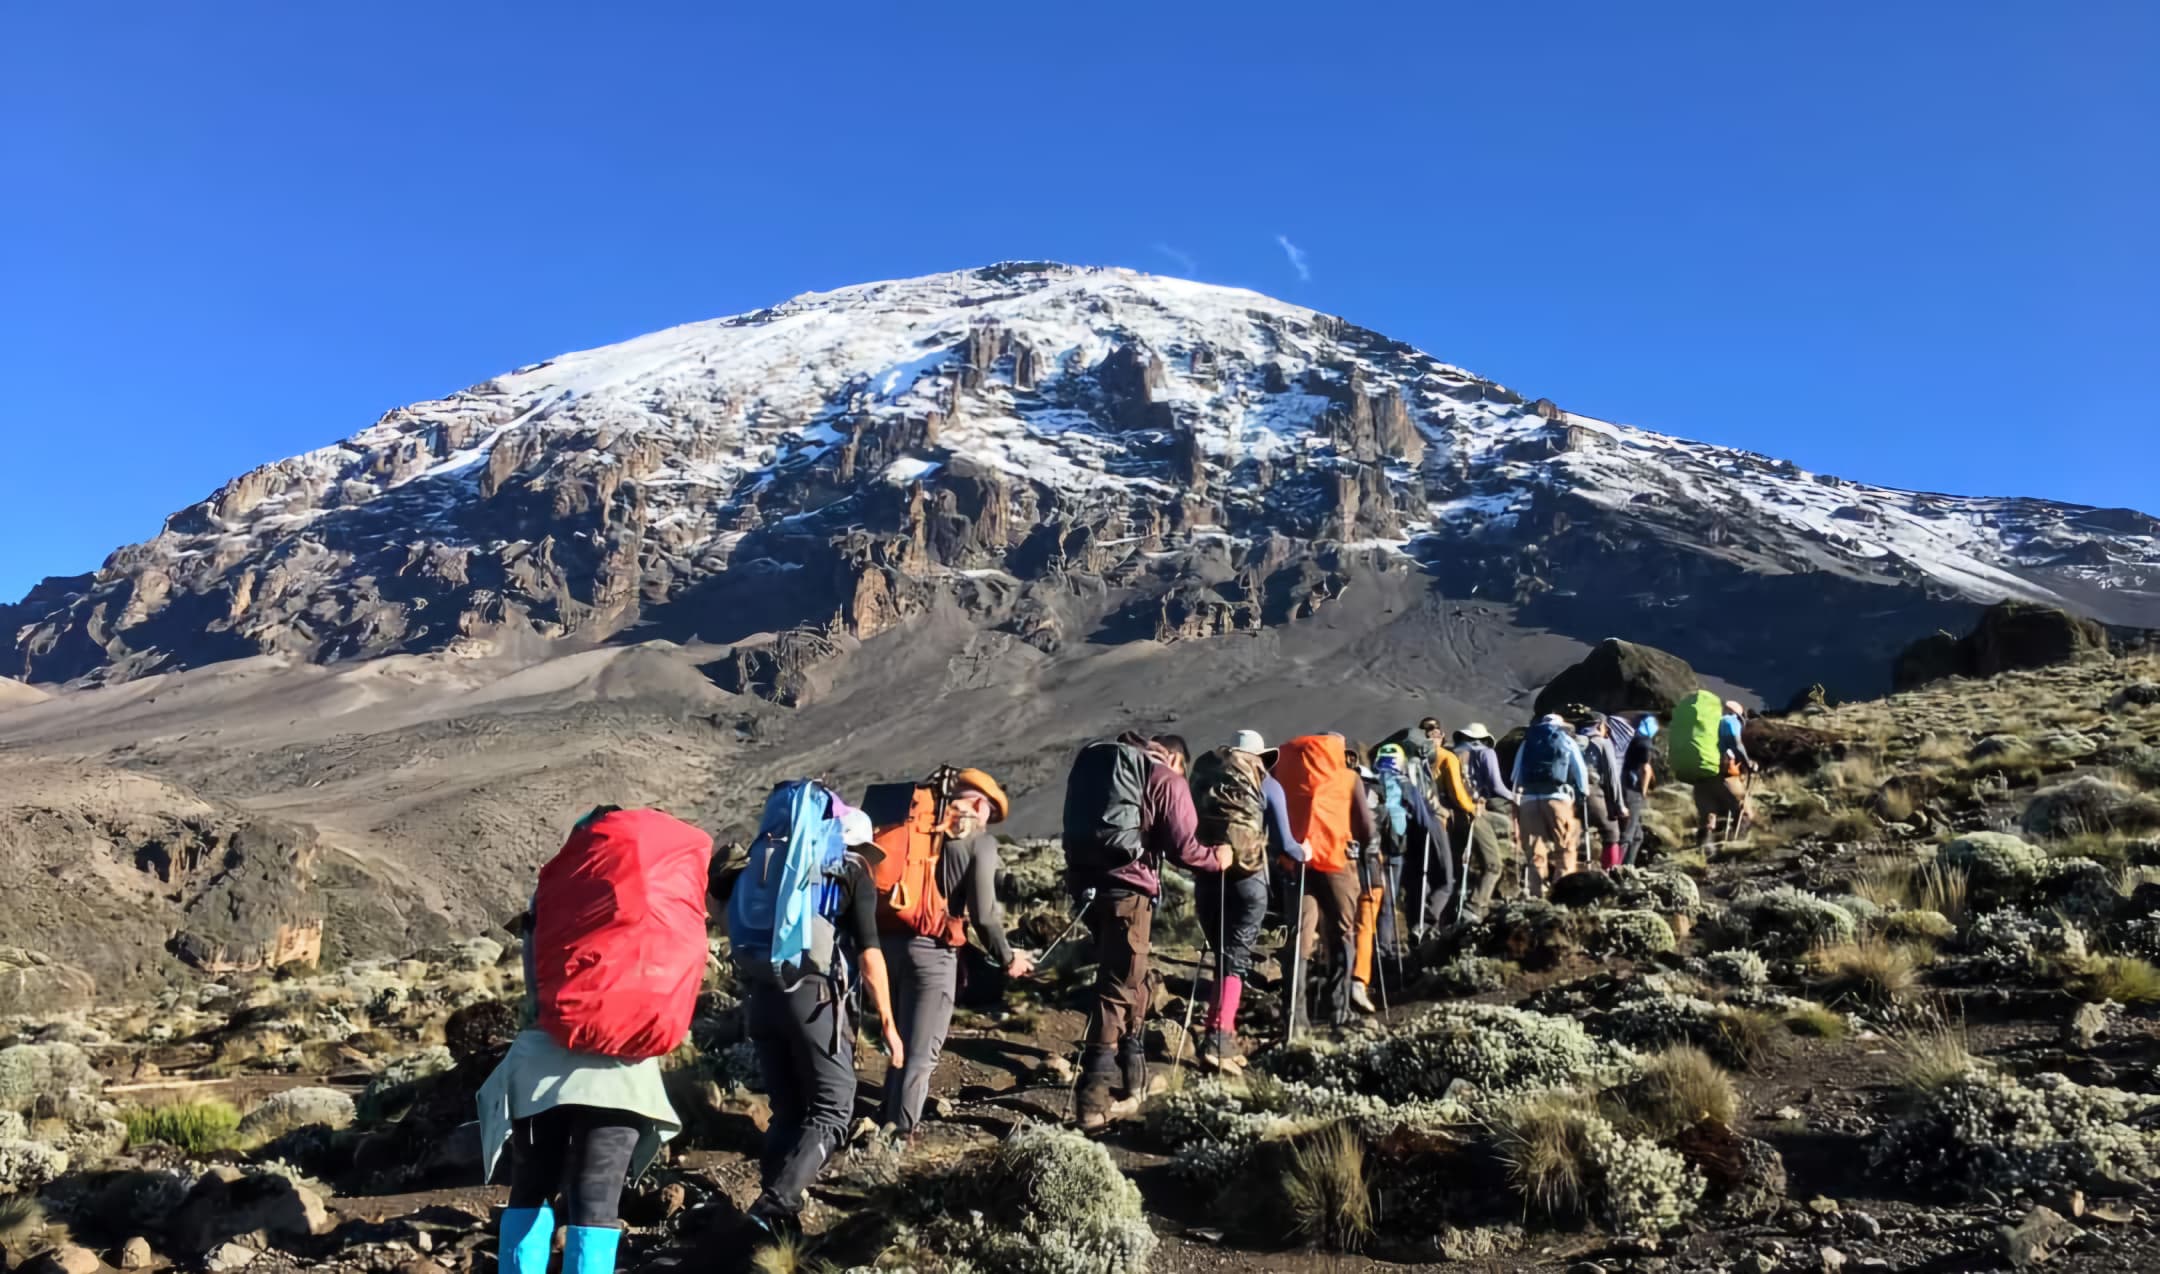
(2102, 845)
(1943, 889)
(2123, 979)
(1929, 1057)
(1753, 1036)
(1816, 1022)
(789, 1255)
(1860, 772)
(1872, 969)
(1940, 749)
(1895, 803)
(1325, 1187)
(1886, 881)
(1542, 1140)
(1678, 1089)
(195, 1127)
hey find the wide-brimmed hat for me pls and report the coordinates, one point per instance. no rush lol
(1733, 708)
(1248, 741)
(980, 781)
(1475, 730)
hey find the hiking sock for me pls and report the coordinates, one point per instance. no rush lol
(1226, 1005)
(590, 1249)
(525, 1240)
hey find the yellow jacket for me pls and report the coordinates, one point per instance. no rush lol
(1448, 781)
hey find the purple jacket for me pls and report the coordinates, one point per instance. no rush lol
(1168, 829)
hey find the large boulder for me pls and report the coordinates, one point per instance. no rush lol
(33, 984)
(1620, 676)
(258, 1209)
(2013, 635)
(2009, 636)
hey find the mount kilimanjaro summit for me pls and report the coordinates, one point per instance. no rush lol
(1047, 458)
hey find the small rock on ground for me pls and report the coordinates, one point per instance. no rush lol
(134, 1254)
(2032, 1241)
(68, 1259)
(228, 1257)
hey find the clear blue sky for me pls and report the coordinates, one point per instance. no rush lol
(1912, 243)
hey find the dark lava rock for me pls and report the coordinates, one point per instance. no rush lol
(2009, 636)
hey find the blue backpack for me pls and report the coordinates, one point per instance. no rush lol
(780, 917)
(1545, 767)
(1394, 809)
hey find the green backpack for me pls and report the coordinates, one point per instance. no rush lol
(1694, 741)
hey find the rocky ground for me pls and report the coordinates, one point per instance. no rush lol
(1906, 1024)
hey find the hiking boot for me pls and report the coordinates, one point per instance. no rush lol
(1132, 1065)
(1362, 998)
(1219, 1053)
(1092, 1095)
(775, 1217)
(1092, 1101)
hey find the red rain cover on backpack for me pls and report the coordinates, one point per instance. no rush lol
(619, 934)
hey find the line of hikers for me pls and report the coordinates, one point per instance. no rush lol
(1360, 846)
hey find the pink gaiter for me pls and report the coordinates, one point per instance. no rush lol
(1225, 1016)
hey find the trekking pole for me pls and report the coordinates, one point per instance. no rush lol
(1297, 957)
(1222, 947)
(1424, 889)
(1380, 962)
(1087, 899)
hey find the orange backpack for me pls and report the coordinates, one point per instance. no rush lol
(909, 823)
(1317, 790)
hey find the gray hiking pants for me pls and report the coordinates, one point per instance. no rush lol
(806, 1053)
(925, 977)
(1632, 833)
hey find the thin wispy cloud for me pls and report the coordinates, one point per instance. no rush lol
(1184, 259)
(1297, 257)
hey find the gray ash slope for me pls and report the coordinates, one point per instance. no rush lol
(1060, 455)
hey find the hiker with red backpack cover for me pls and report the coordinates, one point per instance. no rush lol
(1127, 811)
(802, 922)
(939, 871)
(615, 953)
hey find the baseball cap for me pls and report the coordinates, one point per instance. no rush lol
(856, 830)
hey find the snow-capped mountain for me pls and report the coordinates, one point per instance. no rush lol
(1065, 453)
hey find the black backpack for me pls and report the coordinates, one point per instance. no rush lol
(1102, 807)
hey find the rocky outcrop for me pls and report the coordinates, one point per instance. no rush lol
(1620, 676)
(32, 983)
(2008, 637)
(114, 872)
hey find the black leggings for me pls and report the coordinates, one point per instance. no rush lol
(580, 1152)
